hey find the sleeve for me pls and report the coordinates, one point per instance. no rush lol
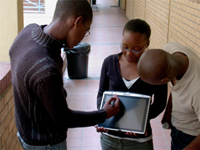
(196, 104)
(103, 84)
(159, 101)
(51, 93)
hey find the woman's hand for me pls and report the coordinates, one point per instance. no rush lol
(101, 129)
(131, 134)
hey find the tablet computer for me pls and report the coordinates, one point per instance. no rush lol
(133, 114)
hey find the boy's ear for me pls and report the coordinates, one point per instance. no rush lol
(148, 43)
(165, 79)
(78, 21)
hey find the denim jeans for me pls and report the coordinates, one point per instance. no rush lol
(180, 140)
(59, 146)
(109, 143)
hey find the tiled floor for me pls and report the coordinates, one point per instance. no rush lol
(106, 35)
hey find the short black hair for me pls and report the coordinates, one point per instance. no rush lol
(138, 25)
(66, 8)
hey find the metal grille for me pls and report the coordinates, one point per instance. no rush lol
(34, 6)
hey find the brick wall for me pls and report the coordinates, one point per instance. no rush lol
(157, 15)
(8, 131)
(129, 9)
(139, 9)
(185, 23)
(170, 20)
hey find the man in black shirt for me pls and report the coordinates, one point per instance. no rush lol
(41, 112)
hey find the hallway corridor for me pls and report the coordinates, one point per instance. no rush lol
(105, 39)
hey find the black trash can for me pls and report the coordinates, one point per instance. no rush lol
(93, 2)
(77, 61)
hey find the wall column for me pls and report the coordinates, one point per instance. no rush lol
(11, 14)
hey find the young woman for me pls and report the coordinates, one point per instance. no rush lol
(119, 73)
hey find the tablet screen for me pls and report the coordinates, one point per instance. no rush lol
(133, 113)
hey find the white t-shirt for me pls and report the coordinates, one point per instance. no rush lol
(186, 93)
(129, 83)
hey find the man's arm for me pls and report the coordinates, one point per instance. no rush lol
(167, 114)
(194, 145)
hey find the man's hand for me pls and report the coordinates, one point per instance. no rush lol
(194, 145)
(112, 106)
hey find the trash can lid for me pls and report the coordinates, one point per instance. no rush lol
(81, 45)
(81, 48)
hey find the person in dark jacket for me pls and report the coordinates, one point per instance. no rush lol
(119, 73)
(41, 112)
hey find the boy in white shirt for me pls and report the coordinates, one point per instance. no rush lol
(180, 66)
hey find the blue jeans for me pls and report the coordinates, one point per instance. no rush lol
(59, 146)
(109, 143)
(180, 140)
